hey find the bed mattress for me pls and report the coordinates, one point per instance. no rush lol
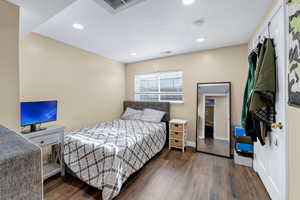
(105, 155)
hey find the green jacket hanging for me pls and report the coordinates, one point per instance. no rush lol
(249, 87)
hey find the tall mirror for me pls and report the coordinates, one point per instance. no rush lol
(214, 118)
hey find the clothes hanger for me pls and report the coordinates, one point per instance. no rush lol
(269, 33)
(260, 38)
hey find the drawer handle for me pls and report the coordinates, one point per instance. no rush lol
(176, 125)
(176, 133)
(176, 141)
(42, 142)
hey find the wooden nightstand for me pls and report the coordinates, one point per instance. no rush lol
(53, 135)
(177, 133)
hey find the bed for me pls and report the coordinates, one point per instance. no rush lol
(106, 154)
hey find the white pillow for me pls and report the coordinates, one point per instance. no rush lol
(132, 114)
(151, 115)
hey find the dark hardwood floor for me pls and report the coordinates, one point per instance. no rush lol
(173, 175)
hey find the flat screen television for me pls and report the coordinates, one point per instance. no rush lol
(33, 113)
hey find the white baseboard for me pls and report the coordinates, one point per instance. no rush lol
(241, 160)
(219, 138)
(191, 144)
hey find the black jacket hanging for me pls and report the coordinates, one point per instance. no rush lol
(251, 125)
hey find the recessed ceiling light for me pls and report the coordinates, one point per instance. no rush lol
(133, 54)
(200, 39)
(188, 2)
(78, 26)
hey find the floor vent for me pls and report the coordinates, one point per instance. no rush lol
(115, 6)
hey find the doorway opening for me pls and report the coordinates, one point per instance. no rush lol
(209, 117)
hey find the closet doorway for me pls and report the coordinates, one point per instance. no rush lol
(210, 104)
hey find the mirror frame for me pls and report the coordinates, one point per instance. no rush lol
(231, 146)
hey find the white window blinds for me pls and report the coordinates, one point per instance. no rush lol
(161, 86)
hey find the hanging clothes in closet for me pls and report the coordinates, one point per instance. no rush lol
(250, 125)
(259, 98)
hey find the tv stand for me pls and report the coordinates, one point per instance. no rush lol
(53, 137)
(35, 127)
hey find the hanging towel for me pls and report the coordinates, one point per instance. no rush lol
(262, 103)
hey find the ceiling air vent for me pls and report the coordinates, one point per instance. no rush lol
(115, 6)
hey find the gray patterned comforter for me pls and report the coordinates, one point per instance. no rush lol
(105, 155)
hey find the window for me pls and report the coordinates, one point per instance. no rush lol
(161, 86)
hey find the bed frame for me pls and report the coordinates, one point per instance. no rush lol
(139, 105)
(162, 106)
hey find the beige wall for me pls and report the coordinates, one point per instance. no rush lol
(9, 69)
(224, 64)
(88, 87)
(294, 153)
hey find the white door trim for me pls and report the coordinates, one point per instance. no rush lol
(286, 34)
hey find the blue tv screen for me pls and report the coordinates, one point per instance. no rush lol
(38, 112)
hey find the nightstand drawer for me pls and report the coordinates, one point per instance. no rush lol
(176, 135)
(177, 127)
(46, 139)
(176, 143)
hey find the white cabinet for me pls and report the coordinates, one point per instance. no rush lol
(53, 135)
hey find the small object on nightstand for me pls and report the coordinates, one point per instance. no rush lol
(177, 133)
(53, 135)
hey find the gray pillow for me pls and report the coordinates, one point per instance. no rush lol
(151, 115)
(132, 114)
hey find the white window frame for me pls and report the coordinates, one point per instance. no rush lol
(159, 93)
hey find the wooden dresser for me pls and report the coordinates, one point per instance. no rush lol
(177, 134)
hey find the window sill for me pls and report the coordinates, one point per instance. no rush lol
(175, 102)
(171, 102)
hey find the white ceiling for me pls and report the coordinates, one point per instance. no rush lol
(147, 29)
(36, 12)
